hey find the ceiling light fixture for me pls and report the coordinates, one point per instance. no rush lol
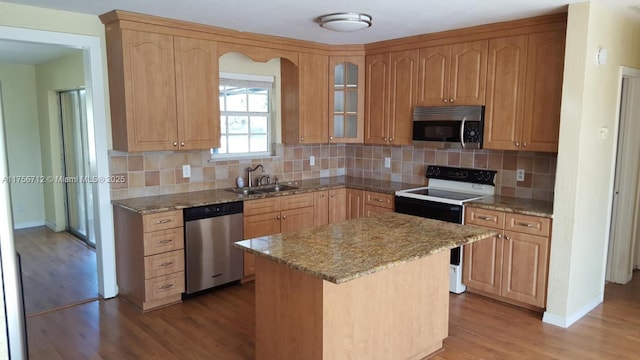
(345, 22)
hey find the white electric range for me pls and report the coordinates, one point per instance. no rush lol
(443, 199)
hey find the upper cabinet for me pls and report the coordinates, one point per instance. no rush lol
(305, 102)
(163, 91)
(524, 91)
(453, 74)
(391, 82)
(346, 99)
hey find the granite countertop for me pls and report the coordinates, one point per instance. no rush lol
(160, 203)
(351, 249)
(514, 205)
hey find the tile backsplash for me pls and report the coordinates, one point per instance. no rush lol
(156, 173)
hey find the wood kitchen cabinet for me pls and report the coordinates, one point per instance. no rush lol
(391, 81)
(452, 74)
(524, 91)
(355, 203)
(163, 91)
(365, 203)
(512, 266)
(346, 99)
(329, 206)
(305, 103)
(149, 257)
(275, 215)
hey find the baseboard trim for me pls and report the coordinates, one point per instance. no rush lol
(28, 224)
(566, 321)
(53, 226)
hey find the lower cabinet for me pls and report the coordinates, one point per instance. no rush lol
(512, 266)
(275, 215)
(365, 203)
(355, 203)
(330, 206)
(149, 257)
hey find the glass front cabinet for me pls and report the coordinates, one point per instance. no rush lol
(346, 102)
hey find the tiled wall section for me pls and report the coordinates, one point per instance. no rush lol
(156, 173)
(408, 165)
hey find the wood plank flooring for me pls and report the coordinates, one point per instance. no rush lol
(220, 325)
(57, 269)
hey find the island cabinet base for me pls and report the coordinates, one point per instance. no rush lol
(397, 313)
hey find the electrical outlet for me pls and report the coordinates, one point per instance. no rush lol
(520, 175)
(312, 160)
(186, 171)
(387, 162)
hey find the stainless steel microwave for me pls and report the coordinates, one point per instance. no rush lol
(449, 127)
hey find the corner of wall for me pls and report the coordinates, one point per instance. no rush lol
(566, 321)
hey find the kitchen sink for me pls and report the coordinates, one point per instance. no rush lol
(262, 189)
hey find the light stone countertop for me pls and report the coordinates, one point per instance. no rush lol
(160, 203)
(514, 205)
(351, 249)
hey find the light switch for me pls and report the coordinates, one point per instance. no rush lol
(604, 133)
(186, 171)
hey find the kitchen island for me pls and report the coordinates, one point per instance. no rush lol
(374, 288)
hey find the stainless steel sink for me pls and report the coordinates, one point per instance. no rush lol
(262, 189)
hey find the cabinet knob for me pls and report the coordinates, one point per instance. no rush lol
(278, 217)
(499, 236)
(182, 143)
(302, 139)
(284, 217)
(390, 139)
(322, 196)
(524, 144)
(330, 137)
(175, 143)
(450, 100)
(331, 195)
(506, 237)
(445, 100)
(386, 140)
(517, 144)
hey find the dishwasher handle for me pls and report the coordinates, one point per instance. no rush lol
(209, 211)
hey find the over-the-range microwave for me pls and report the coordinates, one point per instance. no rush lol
(448, 127)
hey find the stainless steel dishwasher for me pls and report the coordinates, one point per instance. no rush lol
(210, 231)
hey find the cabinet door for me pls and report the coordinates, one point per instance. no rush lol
(150, 94)
(376, 99)
(296, 219)
(433, 75)
(524, 272)
(321, 208)
(543, 92)
(482, 265)
(313, 105)
(355, 204)
(402, 94)
(261, 225)
(198, 111)
(337, 205)
(346, 99)
(468, 73)
(505, 92)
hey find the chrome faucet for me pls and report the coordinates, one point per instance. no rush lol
(250, 170)
(264, 180)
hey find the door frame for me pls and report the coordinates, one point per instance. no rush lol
(620, 253)
(94, 75)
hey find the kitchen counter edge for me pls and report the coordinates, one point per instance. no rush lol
(514, 205)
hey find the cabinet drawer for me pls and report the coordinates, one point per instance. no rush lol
(528, 224)
(296, 201)
(371, 211)
(163, 286)
(483, 217)
(162, 241)
(163, 264)
(379, 199)
(261, 206)
(162, 221)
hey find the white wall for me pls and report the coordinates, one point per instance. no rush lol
(23, 142)
(584, 177)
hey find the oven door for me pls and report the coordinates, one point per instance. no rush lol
(433, 210)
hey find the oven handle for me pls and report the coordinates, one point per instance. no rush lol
(464, 120)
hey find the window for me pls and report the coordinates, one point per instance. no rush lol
(245, 115)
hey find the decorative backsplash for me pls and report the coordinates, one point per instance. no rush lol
(157, 173)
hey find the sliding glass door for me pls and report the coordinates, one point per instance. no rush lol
(75, 146)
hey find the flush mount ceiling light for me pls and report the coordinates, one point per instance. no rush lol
(345, 22)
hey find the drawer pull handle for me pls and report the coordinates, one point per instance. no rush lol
(165, 287)
(487, 218)
(168, 263)
(526, 224)
(165, 241)
(163, 221)
(378, 200)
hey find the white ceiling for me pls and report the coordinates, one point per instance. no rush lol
(297, 18)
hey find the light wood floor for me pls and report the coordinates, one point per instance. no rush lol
(220, 325)
(57, 269)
